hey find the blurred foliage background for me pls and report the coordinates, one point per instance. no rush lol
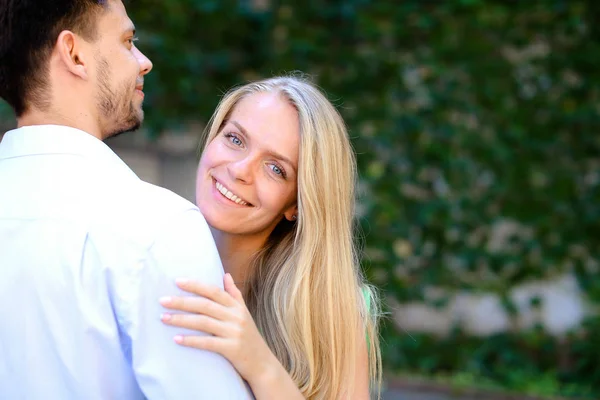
(463, 113)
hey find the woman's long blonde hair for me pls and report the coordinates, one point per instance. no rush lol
(305, 291)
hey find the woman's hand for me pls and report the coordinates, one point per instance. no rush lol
(225, 317)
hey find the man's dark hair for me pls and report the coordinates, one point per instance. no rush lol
(28, 32)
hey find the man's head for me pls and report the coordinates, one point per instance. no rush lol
(72, 60)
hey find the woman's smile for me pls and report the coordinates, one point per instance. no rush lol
(226, 193)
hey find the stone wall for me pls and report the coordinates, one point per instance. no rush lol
(170, 162)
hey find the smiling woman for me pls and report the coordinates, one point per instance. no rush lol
(276, 184)
(252, 159)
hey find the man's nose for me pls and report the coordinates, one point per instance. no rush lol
(145, 63)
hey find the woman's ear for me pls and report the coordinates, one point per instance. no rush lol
(291, 214)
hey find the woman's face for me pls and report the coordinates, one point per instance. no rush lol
(247, 176)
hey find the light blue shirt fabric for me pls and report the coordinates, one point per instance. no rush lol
(86, 250)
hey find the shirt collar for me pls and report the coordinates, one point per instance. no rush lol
(57, 139)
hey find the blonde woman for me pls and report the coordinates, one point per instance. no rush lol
(276, 184)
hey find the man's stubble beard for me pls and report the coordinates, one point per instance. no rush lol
(116, 107)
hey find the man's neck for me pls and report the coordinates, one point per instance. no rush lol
(78, 121)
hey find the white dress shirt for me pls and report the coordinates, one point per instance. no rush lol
(86, 250)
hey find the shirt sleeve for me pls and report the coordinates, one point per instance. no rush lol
(164, 370)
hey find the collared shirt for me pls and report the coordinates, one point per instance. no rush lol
(86, 251)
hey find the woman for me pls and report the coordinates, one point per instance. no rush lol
(276, 184)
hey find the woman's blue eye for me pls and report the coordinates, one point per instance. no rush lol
(233, 139)
(278, 170)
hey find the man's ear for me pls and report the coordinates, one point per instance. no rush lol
(69, 48)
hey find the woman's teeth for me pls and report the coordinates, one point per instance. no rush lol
(225, 192)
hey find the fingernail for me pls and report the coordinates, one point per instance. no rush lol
(165, 300)
(181, 281)
(178, 339)
(165, 317)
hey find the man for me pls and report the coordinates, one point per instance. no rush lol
(86, 248)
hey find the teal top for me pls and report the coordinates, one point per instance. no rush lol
(368, 302)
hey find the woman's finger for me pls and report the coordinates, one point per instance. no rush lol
(210, 343)
(211, 292)
(196, 305)
(200, 323)
(232, 289)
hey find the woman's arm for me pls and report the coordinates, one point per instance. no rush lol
(232, 333)
(361, 378)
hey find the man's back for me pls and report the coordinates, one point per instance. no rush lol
(86, 249)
